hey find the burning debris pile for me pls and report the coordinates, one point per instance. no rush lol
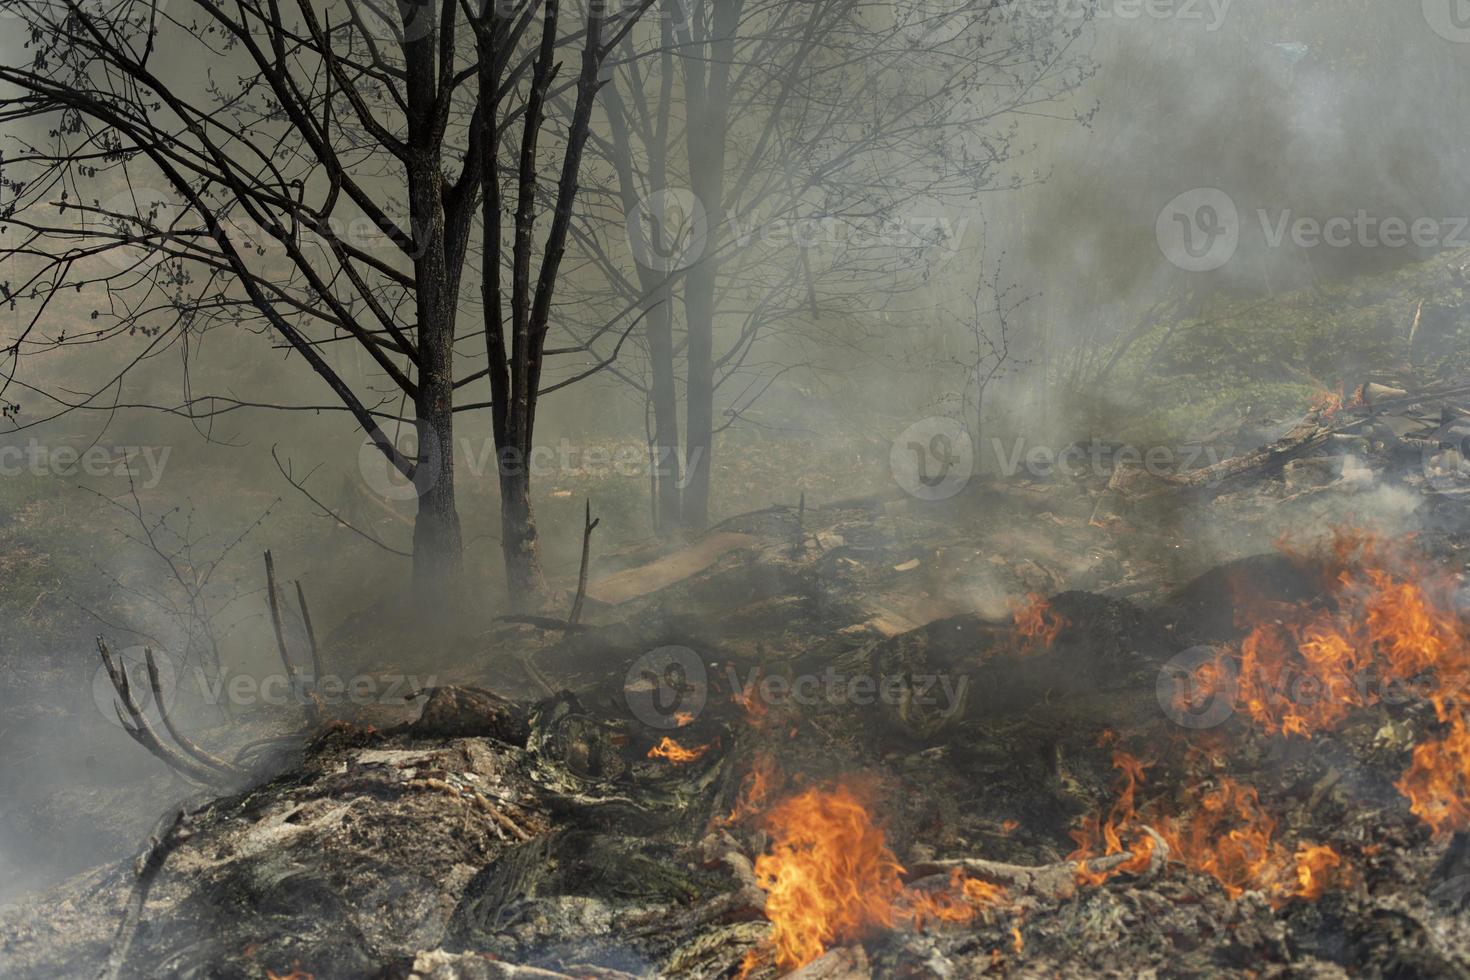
(839, 768)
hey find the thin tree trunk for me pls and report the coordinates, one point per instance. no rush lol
(437, 545)
(707, 86)
(657, 293)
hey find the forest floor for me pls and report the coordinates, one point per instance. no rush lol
(986, 735)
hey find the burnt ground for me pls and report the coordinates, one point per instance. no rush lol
(536, 838)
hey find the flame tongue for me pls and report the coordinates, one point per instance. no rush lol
(829, 875)
(831, 878)
(677, 754)
(1037, 624)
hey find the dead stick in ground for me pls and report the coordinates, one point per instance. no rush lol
(316, 656)
(309, 705)
(576, 614)
(140, 731)
(215, 763)
(275, 606)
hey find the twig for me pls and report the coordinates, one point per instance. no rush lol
(575, 615)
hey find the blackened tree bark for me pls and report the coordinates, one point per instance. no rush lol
(515, 367)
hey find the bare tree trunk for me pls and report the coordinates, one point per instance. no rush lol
(656, 290)
(437, 546)
(515, 375)
(707, 87)
(520, 542)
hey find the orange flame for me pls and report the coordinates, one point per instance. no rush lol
(1316, 868)
(1230, 837)
(1392, 622)
(677, 754)
(1325, 403)
(1036, 623)
(754, 789)
(749, 700)
(830, 877)
(1437, 782)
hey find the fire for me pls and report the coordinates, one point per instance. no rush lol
(1037, 623)
(1325, 403)
(1437, 782)
(830, 877)
(1122, 819)
(755, 708)
(1392, 622)
(960, 902)
(1316, 868)
(754, 789)
(678, 754)
(683, 718)
(1229, 837)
